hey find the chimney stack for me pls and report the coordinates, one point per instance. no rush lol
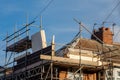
(104, 34)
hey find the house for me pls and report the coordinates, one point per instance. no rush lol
(90, 59)
(86, 59)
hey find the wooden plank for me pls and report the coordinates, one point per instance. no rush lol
(67, 60)
(115, 64)
(114, 60)
(20, 45)
(31, 66)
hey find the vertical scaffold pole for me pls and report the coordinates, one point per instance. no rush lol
(52, 54)
(5, 66)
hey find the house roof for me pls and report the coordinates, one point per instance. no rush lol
(106, 52)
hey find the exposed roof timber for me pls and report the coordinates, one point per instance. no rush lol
(113, 56)
(110, 50)
(62, 60)
(114, 60)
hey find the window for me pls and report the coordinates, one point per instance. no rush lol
(101, 73)
(118, 73)
(118, 78)
(77, 78)
(109, 73)
(112, 78)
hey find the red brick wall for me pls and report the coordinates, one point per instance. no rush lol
(104, 34)
(62, 75)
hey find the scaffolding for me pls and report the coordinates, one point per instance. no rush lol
(14, 46)
(45, 64)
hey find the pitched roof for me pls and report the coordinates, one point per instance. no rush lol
(107, 52)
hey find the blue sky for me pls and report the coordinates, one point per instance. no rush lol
(57, 18)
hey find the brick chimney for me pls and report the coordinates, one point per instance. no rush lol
(104, 34)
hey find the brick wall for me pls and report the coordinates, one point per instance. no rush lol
(104, 34)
